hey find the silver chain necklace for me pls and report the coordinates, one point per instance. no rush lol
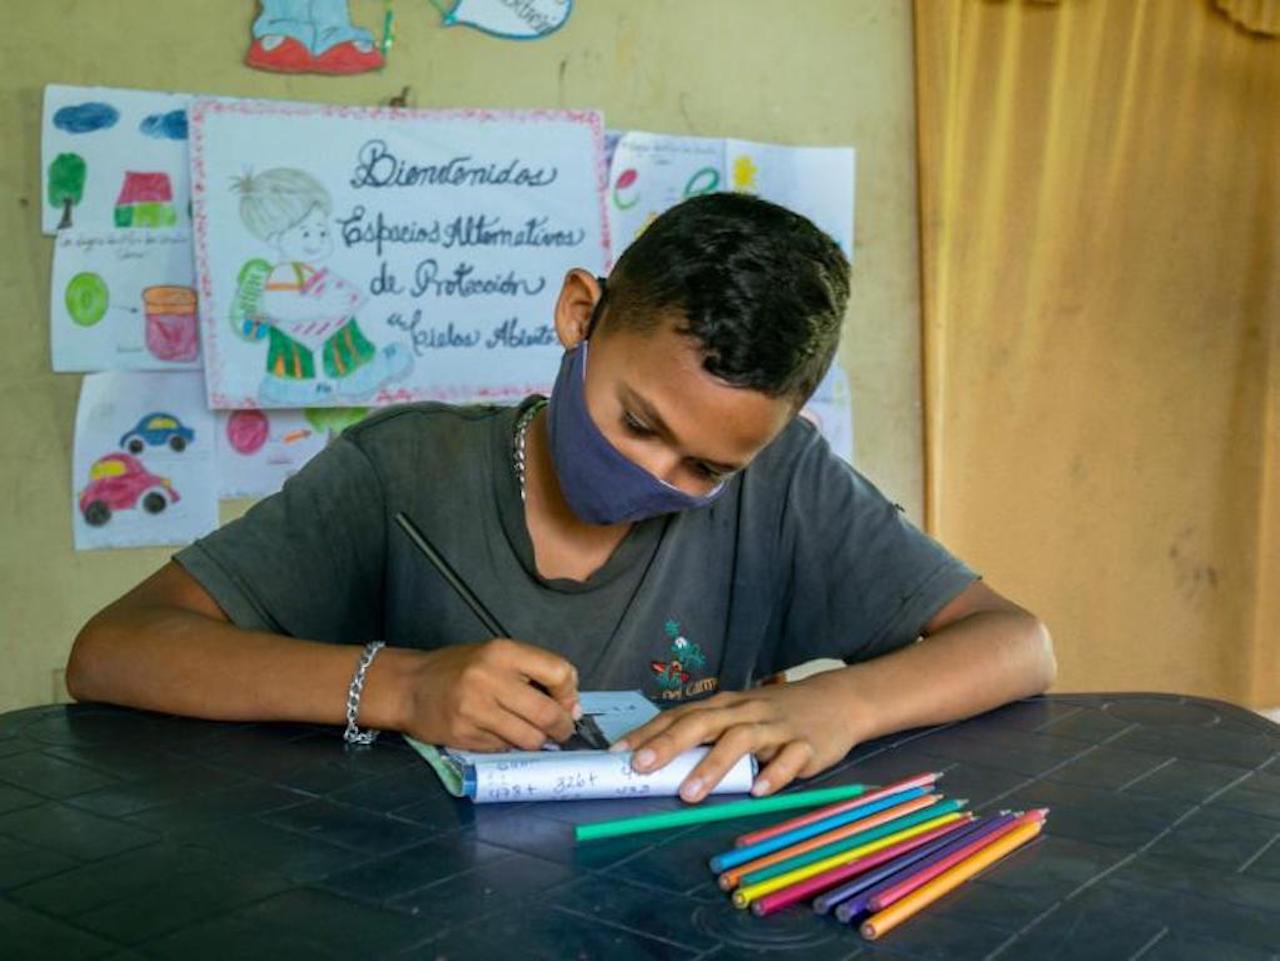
(517, 447)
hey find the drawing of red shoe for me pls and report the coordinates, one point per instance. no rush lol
(350, 57)
(279, 54)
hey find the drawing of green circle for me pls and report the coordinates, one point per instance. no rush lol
(87, 299)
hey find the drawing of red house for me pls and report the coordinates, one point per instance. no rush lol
(146, 200)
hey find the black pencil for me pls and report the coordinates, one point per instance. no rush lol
(586, 728)
(449, 574)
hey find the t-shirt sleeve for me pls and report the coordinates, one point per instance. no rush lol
(864, 580)
(308, 561)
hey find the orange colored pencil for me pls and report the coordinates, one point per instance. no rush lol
(922, 877)
(884, 921)
(729, 879)
(920, 780)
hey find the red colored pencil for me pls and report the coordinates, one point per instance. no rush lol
(924, 876)
(829, 879)
(920, 780)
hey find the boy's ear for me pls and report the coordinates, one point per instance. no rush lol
(575, 305)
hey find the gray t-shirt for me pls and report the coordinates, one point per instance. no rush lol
(801, 557)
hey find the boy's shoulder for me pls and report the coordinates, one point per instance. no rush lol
(426, 421)
(799, 440)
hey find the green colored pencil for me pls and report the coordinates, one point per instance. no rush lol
(852, 841)
(718, 812)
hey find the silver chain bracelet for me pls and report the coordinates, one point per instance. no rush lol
(353, 734)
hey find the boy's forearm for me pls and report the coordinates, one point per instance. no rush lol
(182, 662)
(977, 663)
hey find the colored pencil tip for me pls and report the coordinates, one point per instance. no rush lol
(726, 883)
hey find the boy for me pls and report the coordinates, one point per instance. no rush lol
(665, 501)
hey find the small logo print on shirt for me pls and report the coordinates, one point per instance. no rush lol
(675, 676)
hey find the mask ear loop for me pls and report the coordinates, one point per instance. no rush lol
(598, 309)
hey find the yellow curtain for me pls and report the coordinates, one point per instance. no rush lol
(1100, 248)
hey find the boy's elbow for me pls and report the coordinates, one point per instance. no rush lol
(1045, 665)
(85, 651)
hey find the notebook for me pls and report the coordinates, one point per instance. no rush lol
(575, 773)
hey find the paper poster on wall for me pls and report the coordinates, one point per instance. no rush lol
(142, 471)
(123, 300)
(366, 256)
(519, 20)
(830, 409)
(317, 36)
(815, 181)
(650, 172)
(113, 158)
(256, 451)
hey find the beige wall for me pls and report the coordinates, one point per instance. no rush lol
(839, 72)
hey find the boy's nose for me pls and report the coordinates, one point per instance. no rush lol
(666, 466)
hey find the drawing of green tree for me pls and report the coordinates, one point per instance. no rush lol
(66, 184)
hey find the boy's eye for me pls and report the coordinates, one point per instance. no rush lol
(709, 472)
(635, 426)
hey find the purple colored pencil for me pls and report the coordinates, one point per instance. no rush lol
(850, 909)
(829, 899)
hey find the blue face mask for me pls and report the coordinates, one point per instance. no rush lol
(600, 484)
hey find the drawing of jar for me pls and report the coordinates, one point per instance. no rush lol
(171, 322)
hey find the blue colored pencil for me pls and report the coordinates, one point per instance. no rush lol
(829, 899)
(848, 910)
(853, 841)
(731, 859)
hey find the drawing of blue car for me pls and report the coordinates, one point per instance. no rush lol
(156, 430)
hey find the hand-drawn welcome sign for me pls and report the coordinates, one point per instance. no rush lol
(372, 256)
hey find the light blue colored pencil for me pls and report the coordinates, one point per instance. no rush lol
(749, 852)
(932, 812)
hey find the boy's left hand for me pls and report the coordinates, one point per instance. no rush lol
(796, 729)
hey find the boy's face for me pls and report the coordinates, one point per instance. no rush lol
(308, 239)
(650, 396)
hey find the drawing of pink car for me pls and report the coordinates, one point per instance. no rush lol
(118, 482)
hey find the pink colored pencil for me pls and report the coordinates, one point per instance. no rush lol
(920, 780)
(924, 876)
(829, 879)
(730, 877)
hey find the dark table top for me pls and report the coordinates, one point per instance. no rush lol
(125, 835)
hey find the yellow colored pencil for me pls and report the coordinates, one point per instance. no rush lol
(743, 897)
(729, 879)
(918, 900)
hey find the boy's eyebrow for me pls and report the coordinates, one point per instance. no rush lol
(655, 420)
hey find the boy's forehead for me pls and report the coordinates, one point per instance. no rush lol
(663, 368)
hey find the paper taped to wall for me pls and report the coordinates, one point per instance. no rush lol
(114, 158)
(143, 462)
(123, 300)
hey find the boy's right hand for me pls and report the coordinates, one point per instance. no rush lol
(486, 697)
